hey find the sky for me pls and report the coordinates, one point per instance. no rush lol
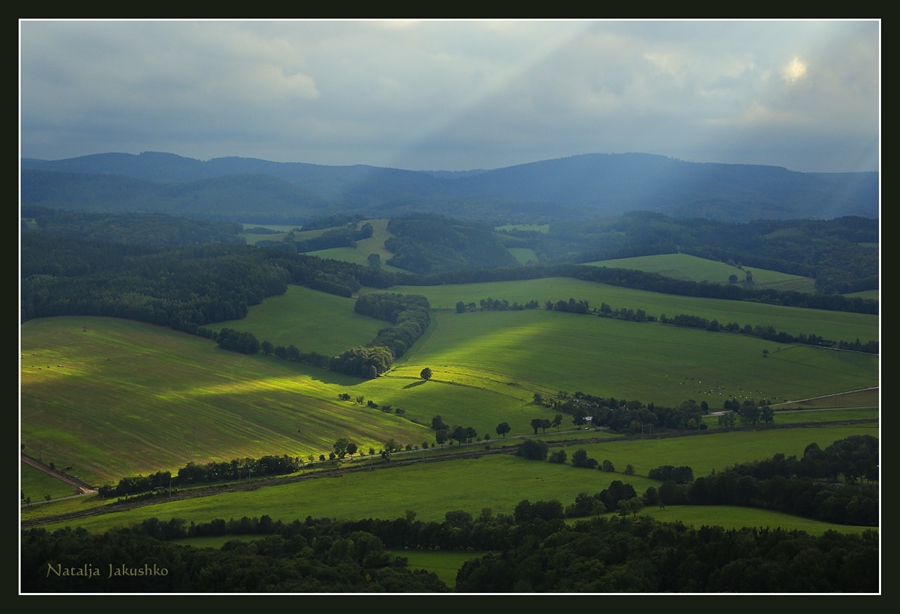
(455, 95)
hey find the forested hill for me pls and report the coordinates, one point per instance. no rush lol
(577, 187)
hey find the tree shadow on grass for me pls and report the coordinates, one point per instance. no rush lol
(414, 384)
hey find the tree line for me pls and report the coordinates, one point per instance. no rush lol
(409, 315)
(824, 484)
(194, 473)
(686, 320)
(156, 229)
(837, 253)
(532, 550)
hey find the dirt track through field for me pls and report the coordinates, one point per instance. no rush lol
(84, 488)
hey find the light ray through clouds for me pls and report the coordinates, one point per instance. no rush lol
(455, 95)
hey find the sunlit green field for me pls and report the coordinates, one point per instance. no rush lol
(497, 482)
(829, 324)
(694, 268)
(123, 397)
(647, 361)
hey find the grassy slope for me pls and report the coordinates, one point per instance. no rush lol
(694, 268)
(829, 324)
(651, 362)
(129, 397)
(498, 482)
(360, 254)
(306, 318)
(35, 483)
(165, 398)
(523, 255)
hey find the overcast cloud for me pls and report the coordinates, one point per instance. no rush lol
(455, 95)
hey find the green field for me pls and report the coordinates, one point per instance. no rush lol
(829, 415)
(694, 268)
(497, 482)
(113, 398)
(312, 321)
(122, 397)
(834, 325)
(731, 517)
(875, 295)
(359, 254)
(523, 255)
(646, 361)
(863, 398)
(445, 564)
(252, 238)
(35, 484)
(356, 255)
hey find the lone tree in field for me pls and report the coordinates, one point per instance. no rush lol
(426, 374)
(340, 447)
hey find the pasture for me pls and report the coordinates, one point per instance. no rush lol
(694, 268)
(34, 483)
(312, 321)
(498, 482)
(647, 361)
(121, 397)
(444, 564)
(364, 247)
(523, 255)
(794, 320)
(113, 398)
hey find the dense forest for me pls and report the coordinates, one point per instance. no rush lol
(837, 253)
(544, 555)
(840, 254)
(432, 244)
(135, 228)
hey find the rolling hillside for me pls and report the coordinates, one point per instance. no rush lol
(575, 187)
(112, 397)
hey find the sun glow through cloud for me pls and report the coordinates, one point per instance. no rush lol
(451, 94)
(794, 71)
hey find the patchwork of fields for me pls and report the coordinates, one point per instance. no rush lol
(694, 268)
(111, 398)
(497, 482)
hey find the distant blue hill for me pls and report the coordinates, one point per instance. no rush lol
(576, 187)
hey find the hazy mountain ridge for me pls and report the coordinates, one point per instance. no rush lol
(578, 186)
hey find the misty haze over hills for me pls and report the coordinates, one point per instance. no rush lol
(577, 187)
